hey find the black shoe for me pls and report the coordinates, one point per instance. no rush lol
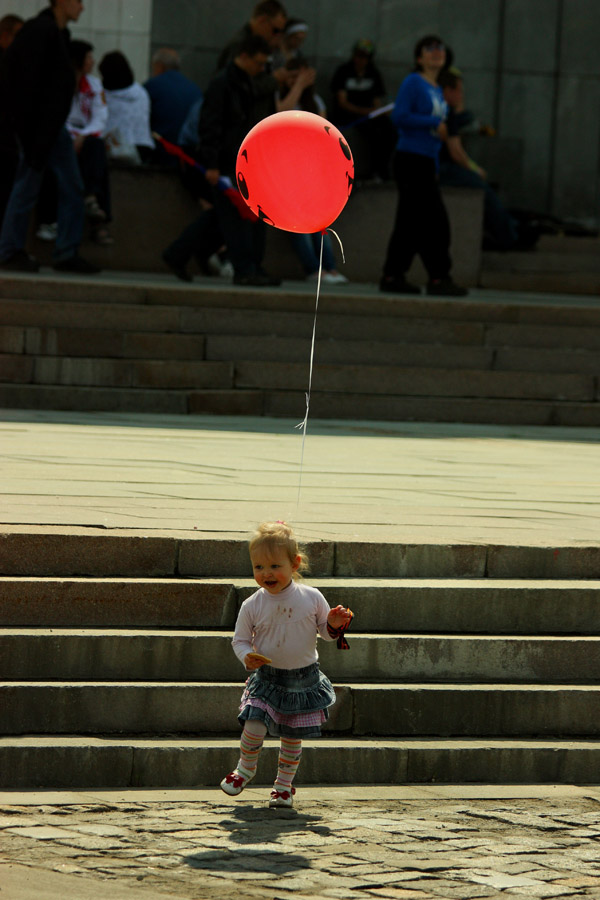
(180, 271)
(445, 287)
(398, 285)
(21, 262)
(257, 279)
(76, 264)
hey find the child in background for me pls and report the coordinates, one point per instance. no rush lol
(275, 638)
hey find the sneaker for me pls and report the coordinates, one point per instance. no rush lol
(76, 264)
(234, 783)
(180, 271)
(20, 261)
(445, 287)
(102, 236)
(281, 798)
(93, 210)
(398, 285)
(47, 232)
(328, 277)
(334, 278)
(257, 279)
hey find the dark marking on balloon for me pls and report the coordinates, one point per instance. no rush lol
(345, 149)
(327, 128)
(350, 182)
(263, 217)
(243, 186)
(244, 153)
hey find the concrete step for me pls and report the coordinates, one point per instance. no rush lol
(463, 606)
(388, 408)
(350, 379)
(54, 551)
(183, 761)
(144, 400)
(393, 381)
(286, 404)
(107, 344)
(119, 373)
(545, 320)
(402, 709)
(173, 655)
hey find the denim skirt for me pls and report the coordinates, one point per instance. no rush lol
(291, 702)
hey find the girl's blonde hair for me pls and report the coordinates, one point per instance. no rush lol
(272, 536)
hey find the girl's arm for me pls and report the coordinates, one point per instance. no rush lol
(403, 114)
(242, 638)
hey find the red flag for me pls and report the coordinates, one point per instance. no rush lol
(230, 192)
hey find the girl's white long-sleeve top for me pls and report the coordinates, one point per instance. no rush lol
(282, 626)
(89, 112)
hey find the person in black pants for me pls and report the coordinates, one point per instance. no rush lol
(421, 226)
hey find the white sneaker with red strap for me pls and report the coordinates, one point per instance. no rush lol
(281, 798)
(234, 783)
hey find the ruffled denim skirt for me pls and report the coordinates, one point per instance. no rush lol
(291, 702)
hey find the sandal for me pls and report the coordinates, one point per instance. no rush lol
(234, 783)
(282, 798)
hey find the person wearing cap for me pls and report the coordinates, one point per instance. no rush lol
(358, 90)
(292, 40)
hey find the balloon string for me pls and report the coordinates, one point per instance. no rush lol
(304, 422)
(339, 242)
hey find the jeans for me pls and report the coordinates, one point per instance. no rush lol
(308, 250)
(421, 226)
(498, 223)
(26, 188)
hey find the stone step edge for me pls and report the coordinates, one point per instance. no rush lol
(145, 292)
(74, 551)
(241, 582)
(433, 686)
(200, 632)
(101, 740)
(101, 761)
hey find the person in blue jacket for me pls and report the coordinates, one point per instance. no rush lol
(421, 226)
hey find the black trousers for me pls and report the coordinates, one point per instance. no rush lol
(9, 161)
(94, 171)
(421, 226)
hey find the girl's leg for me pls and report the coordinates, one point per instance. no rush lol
(251, 743)
(289, 758)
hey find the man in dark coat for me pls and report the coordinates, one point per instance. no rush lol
(37, 83)
(227, 115)
(9, 151)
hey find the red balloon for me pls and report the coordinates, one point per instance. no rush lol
(295, 171)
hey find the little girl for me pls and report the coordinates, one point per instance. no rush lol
(275, 638)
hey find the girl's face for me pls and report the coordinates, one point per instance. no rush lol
(274, 570)
(433, 55)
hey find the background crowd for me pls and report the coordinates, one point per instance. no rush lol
(62, 128)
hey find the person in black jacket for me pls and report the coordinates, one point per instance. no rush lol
(227, 115)
(9, 152)
(37, 84)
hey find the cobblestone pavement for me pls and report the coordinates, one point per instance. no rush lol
(334, 844)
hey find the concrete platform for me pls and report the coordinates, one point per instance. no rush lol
(181, 478)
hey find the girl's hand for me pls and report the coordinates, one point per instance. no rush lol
(254, 661)
(338, 616)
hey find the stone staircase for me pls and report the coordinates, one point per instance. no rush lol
(158, 347)
(466, 663)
